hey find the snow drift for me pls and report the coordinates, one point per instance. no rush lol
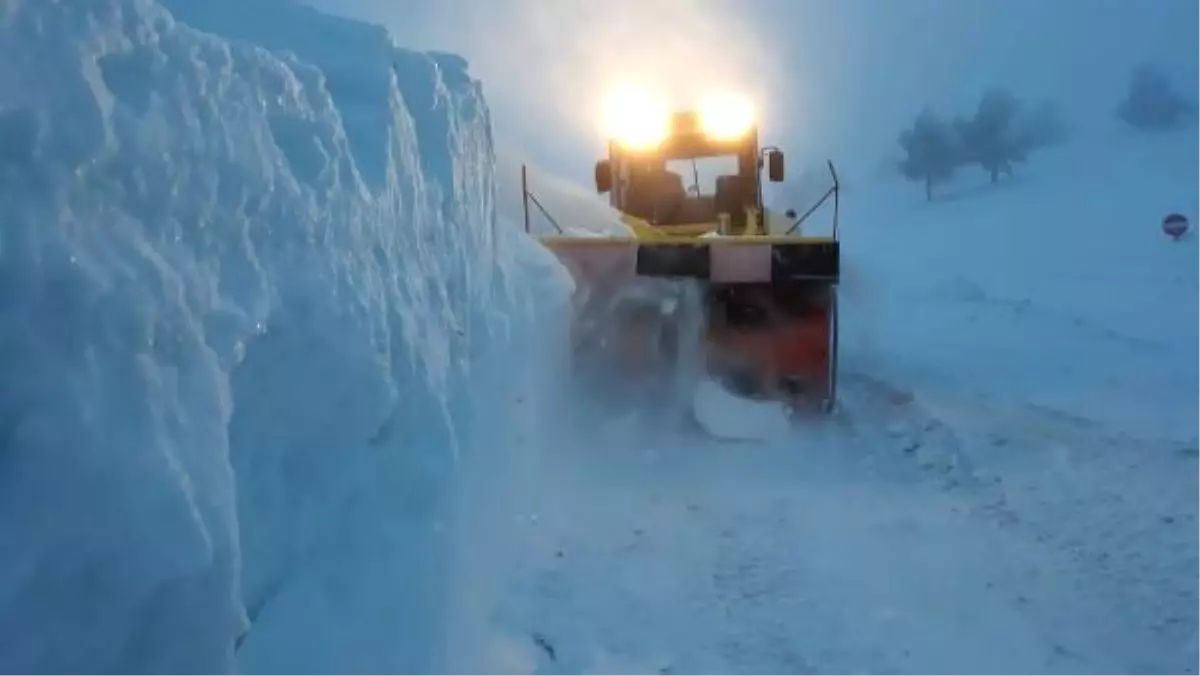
(249, 263)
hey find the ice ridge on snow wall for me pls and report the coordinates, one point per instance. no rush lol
(248, 259)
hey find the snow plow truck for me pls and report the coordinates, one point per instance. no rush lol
(706, 280)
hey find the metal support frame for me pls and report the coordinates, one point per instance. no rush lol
(834, 191)
(527, 196)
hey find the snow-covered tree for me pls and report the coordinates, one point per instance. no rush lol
(1151, 104)
(1003, 133)
(931, 151)
(991, 137)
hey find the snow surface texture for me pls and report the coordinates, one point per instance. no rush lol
(250, 290)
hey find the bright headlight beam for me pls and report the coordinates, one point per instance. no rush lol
(726, 117)
(637, 119)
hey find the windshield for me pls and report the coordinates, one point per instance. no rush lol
(700, 175)
(680, 193)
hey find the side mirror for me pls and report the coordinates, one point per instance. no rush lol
(603, 176)
(775, 166)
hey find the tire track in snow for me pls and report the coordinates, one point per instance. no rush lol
(1119, 515)
(877, 541)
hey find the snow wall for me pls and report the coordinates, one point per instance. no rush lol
(258, 329)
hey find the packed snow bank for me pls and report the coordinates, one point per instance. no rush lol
(249, 267)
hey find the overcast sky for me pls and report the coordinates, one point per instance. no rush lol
(836, 78)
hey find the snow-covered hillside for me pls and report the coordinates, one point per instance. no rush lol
(252, 292)
(1056, 288)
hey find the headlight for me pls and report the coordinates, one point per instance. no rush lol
(726, 118)
(637, 119)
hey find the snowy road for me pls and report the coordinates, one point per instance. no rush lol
(875, 548)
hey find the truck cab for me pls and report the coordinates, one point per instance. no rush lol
(694, 180)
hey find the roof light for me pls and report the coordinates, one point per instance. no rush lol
(726, 118)
(637, 119)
